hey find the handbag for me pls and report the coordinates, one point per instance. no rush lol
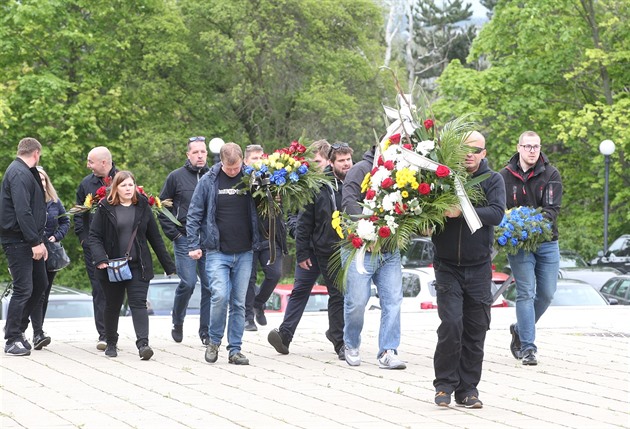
(57, 257)
(118, 270)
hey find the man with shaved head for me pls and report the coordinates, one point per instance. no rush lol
(99, 160)
(463, 278)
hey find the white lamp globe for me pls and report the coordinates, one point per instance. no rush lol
(607, 147)
(215, 145)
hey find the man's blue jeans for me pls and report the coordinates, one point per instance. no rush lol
(187, 269)
(536, 275)
(229, 277)
(386, 272)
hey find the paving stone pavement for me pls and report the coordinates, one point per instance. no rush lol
(582, 379)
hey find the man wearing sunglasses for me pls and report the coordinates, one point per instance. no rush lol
(530, 180)
(179, 187)
(463, 279)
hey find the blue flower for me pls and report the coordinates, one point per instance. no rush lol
(502, 240)
(294, 177)
(524, 235)
(514, 242)
(302, 169)
(248, 169)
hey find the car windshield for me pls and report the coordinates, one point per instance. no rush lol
(577, 295)
(161, 296)
(571, 260)
(60, 308)
(620, 247)
(317, 302)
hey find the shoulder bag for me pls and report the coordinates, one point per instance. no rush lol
(118, 269)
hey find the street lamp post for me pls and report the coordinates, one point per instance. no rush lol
(606, 148)
(215, 148)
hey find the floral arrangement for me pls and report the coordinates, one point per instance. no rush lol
(91, 202)
(284, 176)
(403, 199)
(522, 228)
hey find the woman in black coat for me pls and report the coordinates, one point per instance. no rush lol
(111, 230)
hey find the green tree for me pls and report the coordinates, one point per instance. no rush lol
(559, 68)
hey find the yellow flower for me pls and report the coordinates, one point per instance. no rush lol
(288, 168)
(366, 183)
(88, 201)
(339, 232)
(279, 165)
(404, 194)
(158, 203)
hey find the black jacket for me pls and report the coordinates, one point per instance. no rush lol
(179, 187)
(352, 184)
(541, 186)
(314, 229)
(22, 205)
(455, 244)
(56, 224)
(103, 238)
(89, 185)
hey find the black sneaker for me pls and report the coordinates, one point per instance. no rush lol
(250, 326)
(177, 333)
(238, 359)
(442, 399)
(145, 352)
(16, 348)
(205, 339)
(529, 357)
(40, 341)
(25, 342)
(341, 351)
(111, 350)
(261, 319)
(515, 344)
(470, 402)
(278, 342)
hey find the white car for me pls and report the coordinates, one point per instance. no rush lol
(63, 302)
(418, 290)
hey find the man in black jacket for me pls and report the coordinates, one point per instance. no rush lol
(315, 233)
(256, 299)
(530, 180)
(179, 187)
(22, 223)
(99, 160)
(463, 279)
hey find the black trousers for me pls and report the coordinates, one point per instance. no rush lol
(464, 298)
(272, 272)
(98, 297)
(137, 290)
(303, 284)
(39, 310)
(29, 283)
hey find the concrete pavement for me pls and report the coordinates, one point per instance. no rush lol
(582, 379)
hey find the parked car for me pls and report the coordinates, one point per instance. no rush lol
(568, 293)
(162, 293)
(63, 302)
(418, 286)
(277, 302)
(418, 254)
(617, 288)
(617, 256)
(596, 276)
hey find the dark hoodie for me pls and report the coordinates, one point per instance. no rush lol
(352, 185)
(540, 186)
(179, 187)
(455, 244)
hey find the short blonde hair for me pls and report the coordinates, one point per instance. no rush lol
(231, 153)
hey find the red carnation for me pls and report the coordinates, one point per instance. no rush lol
(300, 148)
(387, 182)
(380, 161)
(384, 231)
(370, 194)
(400, 209)
(424, 188)
(428, 124)
(373, 218)
(373, 172)
(151, 200)
(108, 181)
(407, 146)
(357, 242)
(101, 192)
(394, 138)
(389, 165)
(442, 171)
(140, 190)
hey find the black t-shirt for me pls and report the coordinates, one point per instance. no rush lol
(232, 215)
(124, 223)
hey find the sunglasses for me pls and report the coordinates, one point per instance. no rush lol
(197, 139)
(476, 150)
(336, 146)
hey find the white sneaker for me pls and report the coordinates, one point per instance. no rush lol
(101, 345)
(389, 360)
(352, 356)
